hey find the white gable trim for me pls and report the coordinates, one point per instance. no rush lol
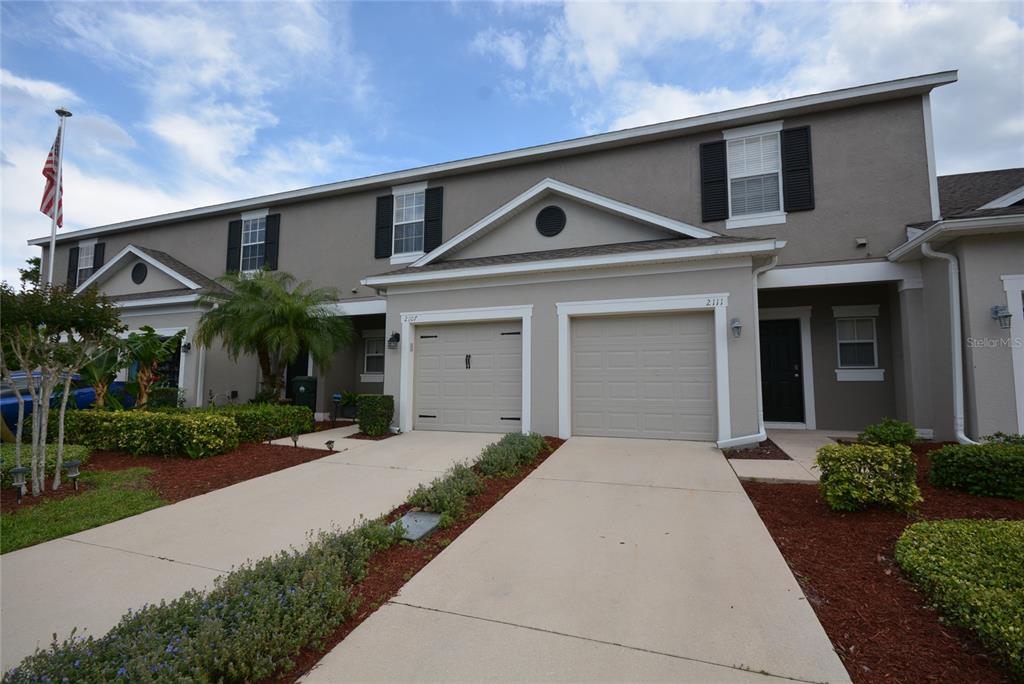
(135, 251)
(1007, 200)
(550, 185)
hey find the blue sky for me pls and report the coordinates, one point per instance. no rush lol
(180, 105)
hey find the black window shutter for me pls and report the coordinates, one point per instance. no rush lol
(382, 236)
(73, 268)
(272, 241)
(234, 246)
(714, 179)
(797, 176)
(433, 205)
(97, 255)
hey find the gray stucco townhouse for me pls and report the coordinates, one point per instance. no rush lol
(795, 263)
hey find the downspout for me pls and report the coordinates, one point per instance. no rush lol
(757, 347)
(955, 325)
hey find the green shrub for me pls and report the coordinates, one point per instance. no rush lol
(153, 433)
(989, 469)
(854, 476)
(505, 457)
(72, 452)
(374, 413)
(164, 397)
(246, 628)
(257, 422)
(973, 571)
(447, 494)
(889, 432)
(1003, 438)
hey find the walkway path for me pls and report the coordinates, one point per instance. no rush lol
(801, 446)
(92, 578)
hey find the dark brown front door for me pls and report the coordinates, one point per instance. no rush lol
(782, 371)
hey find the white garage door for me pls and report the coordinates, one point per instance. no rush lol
(468, 377)
(644, 376)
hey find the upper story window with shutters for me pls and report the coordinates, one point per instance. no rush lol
(408, 222)
(86, 262)
(410, 205)
(254, 240)
(756, 175)
(254, 248)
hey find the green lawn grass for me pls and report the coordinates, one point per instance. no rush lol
(113, 495)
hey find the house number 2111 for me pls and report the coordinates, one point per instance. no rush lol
(714, 301)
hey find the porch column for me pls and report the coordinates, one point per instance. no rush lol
(914, 344)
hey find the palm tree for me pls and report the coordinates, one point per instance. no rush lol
(268, 314)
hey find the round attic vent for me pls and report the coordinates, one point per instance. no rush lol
(550, 221)
(139, 273)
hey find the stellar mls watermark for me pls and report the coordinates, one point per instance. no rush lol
(995, 342)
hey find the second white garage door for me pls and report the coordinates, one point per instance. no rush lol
(468, 377)
(644, 376)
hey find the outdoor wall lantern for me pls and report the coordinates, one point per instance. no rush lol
(71, 470)
(394, 340)
(736, 327)
(1003, 315)
(18, 478)
(186, 347)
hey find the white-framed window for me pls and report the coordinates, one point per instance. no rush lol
(86, 261)
(755, 175)
(254, 249)
(373, 356)
(856, 342)
(408, 222)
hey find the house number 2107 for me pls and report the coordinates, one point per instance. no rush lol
(714, 301)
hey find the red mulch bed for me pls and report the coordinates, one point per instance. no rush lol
(878, 623)
(390, 569)
(363, 435)
(765, 451)
(180, 478)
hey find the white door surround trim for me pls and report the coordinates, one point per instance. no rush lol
(716, 302)
(1014, 286)
(803, 314)
(410, 319)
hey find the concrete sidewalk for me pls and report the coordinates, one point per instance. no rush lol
(636, 560)
(801, 446)
(92, 578)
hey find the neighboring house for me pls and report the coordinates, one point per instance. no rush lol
(776, 264)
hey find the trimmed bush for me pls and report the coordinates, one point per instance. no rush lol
(249, 626)
(257, 422)
(505, 457)
(973, 572)
(855, 476)
(72, 452)
(447, 494)
(1003, 438)
(153, 433)
(989, 469)
(374, 413)
(889, 432)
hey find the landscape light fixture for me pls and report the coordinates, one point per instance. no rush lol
(295, 439)
(18, 478)
(336, 400)
(72, 471)
(736, 327)
(270, 436)
(330, 444)
(1003, 316)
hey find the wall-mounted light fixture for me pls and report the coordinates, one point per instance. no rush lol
(186, 347)
(394, 340)
(1003, 316)
(736, 327)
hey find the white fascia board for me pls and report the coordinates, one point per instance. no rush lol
(156, 301)
(550, 185)
(655, 256)
(950, 228)
(372, 306)
(756, 129)
(793, 106)
(1007, 200)
(132, 249)
(839, 274)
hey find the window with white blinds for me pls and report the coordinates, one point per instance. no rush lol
(755, 175)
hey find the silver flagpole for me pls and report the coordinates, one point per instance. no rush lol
(58, 194)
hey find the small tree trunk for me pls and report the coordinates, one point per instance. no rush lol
(40, 424)
(60, 433)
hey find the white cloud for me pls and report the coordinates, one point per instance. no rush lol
(509, 46)
(43, 91)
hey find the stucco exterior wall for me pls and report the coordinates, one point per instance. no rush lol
(119, 280)
(939, 350)
(734, 280)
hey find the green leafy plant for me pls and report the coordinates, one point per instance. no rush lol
(101, 371)
(973, 572)
(374, 413)
(165, 396)
(257, 422)
(989, 469)
(145, 351)
(447, 494)
(505, 457)
(154, 433)
(72, 452)
(1004, 438)
(855, 476)
(271, 316)
(889, 432)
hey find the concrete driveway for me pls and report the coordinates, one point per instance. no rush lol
(92, 578)
(615, 560)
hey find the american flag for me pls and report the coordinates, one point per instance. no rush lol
(52, 194)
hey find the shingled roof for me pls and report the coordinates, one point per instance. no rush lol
(961, 195)
(207, 285)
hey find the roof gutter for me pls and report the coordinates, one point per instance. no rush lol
(955, 325)
(937, 229)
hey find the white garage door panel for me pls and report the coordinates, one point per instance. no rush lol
(486, 397)
(644, 376)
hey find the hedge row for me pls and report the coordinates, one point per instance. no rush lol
(257, 617)
(258, 422)
(152, 433)
(973, 571)
(855, 476)
(989, 469)
(72, 452)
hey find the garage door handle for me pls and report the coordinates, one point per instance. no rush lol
(467, 360)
